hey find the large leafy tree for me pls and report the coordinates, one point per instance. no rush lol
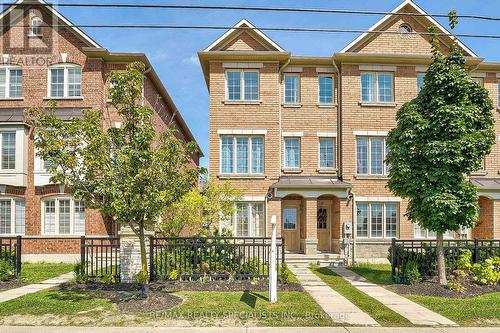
(441, 137)
(130, 173)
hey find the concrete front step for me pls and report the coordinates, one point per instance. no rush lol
(329, 259)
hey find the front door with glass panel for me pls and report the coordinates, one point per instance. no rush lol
(323, 224)
(290, 228)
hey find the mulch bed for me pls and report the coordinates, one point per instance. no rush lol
(433, 288)
(11, 284)
(127, 296)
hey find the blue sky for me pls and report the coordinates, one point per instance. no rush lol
(173, 52)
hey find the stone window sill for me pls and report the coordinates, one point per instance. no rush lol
(479, 173)
(69, 98)
(291, 105)
(376, 104)
(326, 170)
(376, 177)
(12, 99)
(326, 106)
(292, 170)
(242, 102)
(233, 176)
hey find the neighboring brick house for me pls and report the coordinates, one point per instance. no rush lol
(304, 137)
(42, 63)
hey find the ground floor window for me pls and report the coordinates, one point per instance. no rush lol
(249, 220)
(12, 216)
(376, 220)
(419, 233)
(63, 216)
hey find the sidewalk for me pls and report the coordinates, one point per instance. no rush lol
(68, 329)
(7, 295)
(339, 308)
(412, 311)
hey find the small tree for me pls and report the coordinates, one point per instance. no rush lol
(441, 136)
(130, 173)
(201, 209)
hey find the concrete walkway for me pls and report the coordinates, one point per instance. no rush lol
(7, 295)
(72, 329)
(339, 308)
(412, 311)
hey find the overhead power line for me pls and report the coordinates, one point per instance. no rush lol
(211, 27)
(261, 9)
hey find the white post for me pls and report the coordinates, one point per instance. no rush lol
(273, 277)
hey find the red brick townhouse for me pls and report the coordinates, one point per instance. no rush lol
(42, 63)
(304, 137)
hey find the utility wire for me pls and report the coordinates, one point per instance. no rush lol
(252, 8)
(210, 27)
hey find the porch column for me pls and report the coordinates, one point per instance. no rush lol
(273, 208)
(310, 243)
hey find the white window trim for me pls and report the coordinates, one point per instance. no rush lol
(66, 67)
(241, 132)
(285, 167)
(298, 89)
(7, 69)
(13, 216)
(445, 235)
(16, 150)
(32, 25)
(377, 94)
(333, 153)
(385, 170)
(242, 85)
(72, 216)
(333, 89)
(384, 231)
(249, 204)
(249, 137)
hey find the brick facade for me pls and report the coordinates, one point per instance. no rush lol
(34, 54)
(404, 56)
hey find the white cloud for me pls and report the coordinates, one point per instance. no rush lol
(193, 60)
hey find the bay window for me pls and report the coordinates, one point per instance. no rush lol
(11, 81)
(376, 220)
(12, 216)
(242, 155)
(242, 85)
(8, 150)
(370, 156)
(249, 220)
(65, 80)
(63, 216)
(377, 87)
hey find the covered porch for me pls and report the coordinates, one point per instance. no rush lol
(310, 212)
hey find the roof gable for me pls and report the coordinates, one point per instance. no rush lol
(79, 33)
(244, 36)
(390, 21)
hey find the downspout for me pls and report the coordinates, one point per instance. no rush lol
(339, 121)
(352, 198)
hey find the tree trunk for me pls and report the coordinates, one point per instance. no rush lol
(440, 259)
(144, 261)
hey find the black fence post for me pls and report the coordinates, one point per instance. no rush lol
(18, 255)
(282, 250)
(82, 254)
(151, 258)
(393, 260)
(475, 251)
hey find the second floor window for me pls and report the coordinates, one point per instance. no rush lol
(292, 91)
(292, 153)
(376, 87)
(8, 151)
(370, 156)
(36, 26)
(325, 89)
(65, 81)
(242, 155)
(242, 85)
(326, 153)
(12, 216)
(420, 81)
(11, 79)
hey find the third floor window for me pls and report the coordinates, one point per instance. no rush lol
(8, 150)
(242, 85)
(11, 78)
(65, 80)
(292, 89)
(325, 90)
(377, 87)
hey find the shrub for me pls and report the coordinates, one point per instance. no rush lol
(79, 270)
(108, 279)
(412, 273)
(173, 275)
(487, 272)
(284, 274)
(7, 270)
(141, 278)
(464, 261)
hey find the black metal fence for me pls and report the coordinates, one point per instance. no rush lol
(10, 251)
(424, 253)
(100, 256)
(213, 257)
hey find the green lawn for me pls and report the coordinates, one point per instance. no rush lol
(474, 311)
(382, 314)
(38, 272)
(376, 273)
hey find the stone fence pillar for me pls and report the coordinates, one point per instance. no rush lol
(130, 254)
